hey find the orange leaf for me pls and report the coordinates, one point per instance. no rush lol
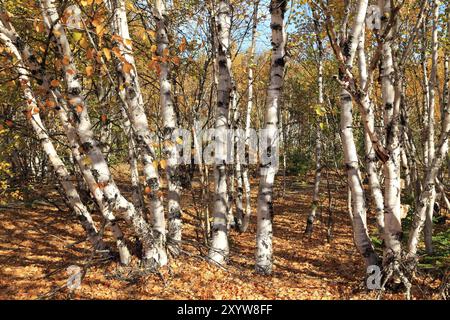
(89, 71)
(127, 67)
(54, 83)
(50, 103)
(66, 61)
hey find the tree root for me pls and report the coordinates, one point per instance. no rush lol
(395, 271)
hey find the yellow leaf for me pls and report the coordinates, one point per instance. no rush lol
(107, 53)
(154, 48)
(77, 36)
(128, 42)
(163, 164)
(84, 43)
(89, 71)
(86, 161)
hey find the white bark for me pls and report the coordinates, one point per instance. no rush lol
(169, 123)
(371, 158)
(251, 66)
(40, 131)
(431, 114)
(358, 205)
(130, 89)
(429, 185)
(391, 105)
(219, 246)
(268, 170)
(317, 176)
(89, 145)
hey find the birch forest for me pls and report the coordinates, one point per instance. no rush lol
(224, 149)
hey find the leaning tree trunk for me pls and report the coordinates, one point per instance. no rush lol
(87, 175)
(429, 185)
(269, 160)
(169, 124)
(89, 145)
(358, 205)
(219, 246)
(32, 113)
(131, 92)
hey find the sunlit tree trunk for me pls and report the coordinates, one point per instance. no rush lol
(219, 246)
(169, 126)
(131, 92)
(429, 185)
(267, 168)
(358, 205)
(392, 191)
(431, 113)
(10, 40)
(371, 157)
(89, 145)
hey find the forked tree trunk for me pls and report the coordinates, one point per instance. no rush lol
(90, 149)
(429, 184)
(358, 205)
(268, 169)
(10, 39)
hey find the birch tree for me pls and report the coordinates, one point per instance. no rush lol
(131, 92)
(89, 145)
(268, 168)
(219, 246)
(11, 41)
(250, 79)
(318, 151)
(169, 123)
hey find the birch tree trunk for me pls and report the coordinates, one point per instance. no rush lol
(371, 157)
(98, 166)
(268, 168)
(429, 185)
(431, 113)
(358, 205)
(169, 123)
(130, 89)
(11, 41)
(251, 66)
(315, 202)
(219, 246)
(392, 192)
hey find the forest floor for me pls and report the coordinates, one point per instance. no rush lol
(38, 242)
